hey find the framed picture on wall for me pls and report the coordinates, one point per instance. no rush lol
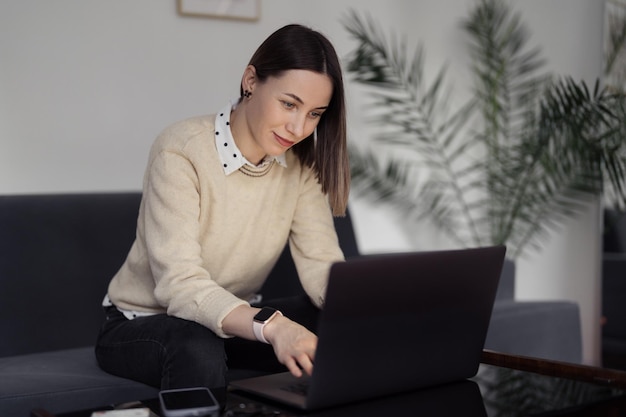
(248, 10)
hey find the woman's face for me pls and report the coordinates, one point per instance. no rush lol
(282, 111)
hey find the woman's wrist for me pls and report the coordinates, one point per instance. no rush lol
(272, 327)
(264, 317)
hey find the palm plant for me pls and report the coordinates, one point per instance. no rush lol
(526, 151)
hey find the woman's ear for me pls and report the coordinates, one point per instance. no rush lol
(248, 81)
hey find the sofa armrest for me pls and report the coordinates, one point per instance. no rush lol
(541, 329)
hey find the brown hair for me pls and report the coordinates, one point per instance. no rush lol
(298, 47)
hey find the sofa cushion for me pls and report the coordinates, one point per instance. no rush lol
(62, 381)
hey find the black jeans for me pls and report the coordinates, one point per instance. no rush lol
(168, 352)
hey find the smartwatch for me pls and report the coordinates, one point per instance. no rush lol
(261, 319)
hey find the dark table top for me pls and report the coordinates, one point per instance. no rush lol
(506, 385)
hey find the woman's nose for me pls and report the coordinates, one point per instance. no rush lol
(296, 126)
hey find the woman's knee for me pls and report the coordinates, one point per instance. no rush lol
(163, 351)
(194, 356)
(201, 344)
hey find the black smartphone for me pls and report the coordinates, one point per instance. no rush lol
(188, 402)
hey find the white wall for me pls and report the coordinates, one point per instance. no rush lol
(570, 34)
(85, 85)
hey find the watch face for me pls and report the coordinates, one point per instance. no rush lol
(264, 314)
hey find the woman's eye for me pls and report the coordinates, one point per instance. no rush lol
(288, 105)
(315, 114)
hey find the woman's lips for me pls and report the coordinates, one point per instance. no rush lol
(283, 142)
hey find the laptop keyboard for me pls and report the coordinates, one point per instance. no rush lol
(300, 388)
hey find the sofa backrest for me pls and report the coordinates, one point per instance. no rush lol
(283, 282)
(614, 231)
(506, 286)
(57, 255)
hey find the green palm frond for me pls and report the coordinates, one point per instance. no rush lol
(507, 167)
(416, 120)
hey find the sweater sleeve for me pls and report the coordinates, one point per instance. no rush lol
(172, 211)
(313, 240)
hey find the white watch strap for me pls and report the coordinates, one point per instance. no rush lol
(257, 327)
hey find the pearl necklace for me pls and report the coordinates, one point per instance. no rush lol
(260, 172)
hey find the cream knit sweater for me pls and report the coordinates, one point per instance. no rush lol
(206, 241)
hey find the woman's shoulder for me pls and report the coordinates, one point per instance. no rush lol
(296, 167)
(192, 138)
(178, 135)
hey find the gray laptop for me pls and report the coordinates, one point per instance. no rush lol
(394, 323)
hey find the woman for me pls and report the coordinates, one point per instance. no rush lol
(222, 195)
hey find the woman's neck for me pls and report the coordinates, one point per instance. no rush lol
(243, 137)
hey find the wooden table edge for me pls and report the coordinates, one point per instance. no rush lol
(593, 374)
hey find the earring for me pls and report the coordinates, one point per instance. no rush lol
(247, 93)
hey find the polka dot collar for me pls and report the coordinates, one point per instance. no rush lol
(229, 153)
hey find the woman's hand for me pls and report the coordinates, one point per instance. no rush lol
(294, 345)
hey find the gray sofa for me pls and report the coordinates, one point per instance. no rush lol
(540, 329)
(57, 254)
